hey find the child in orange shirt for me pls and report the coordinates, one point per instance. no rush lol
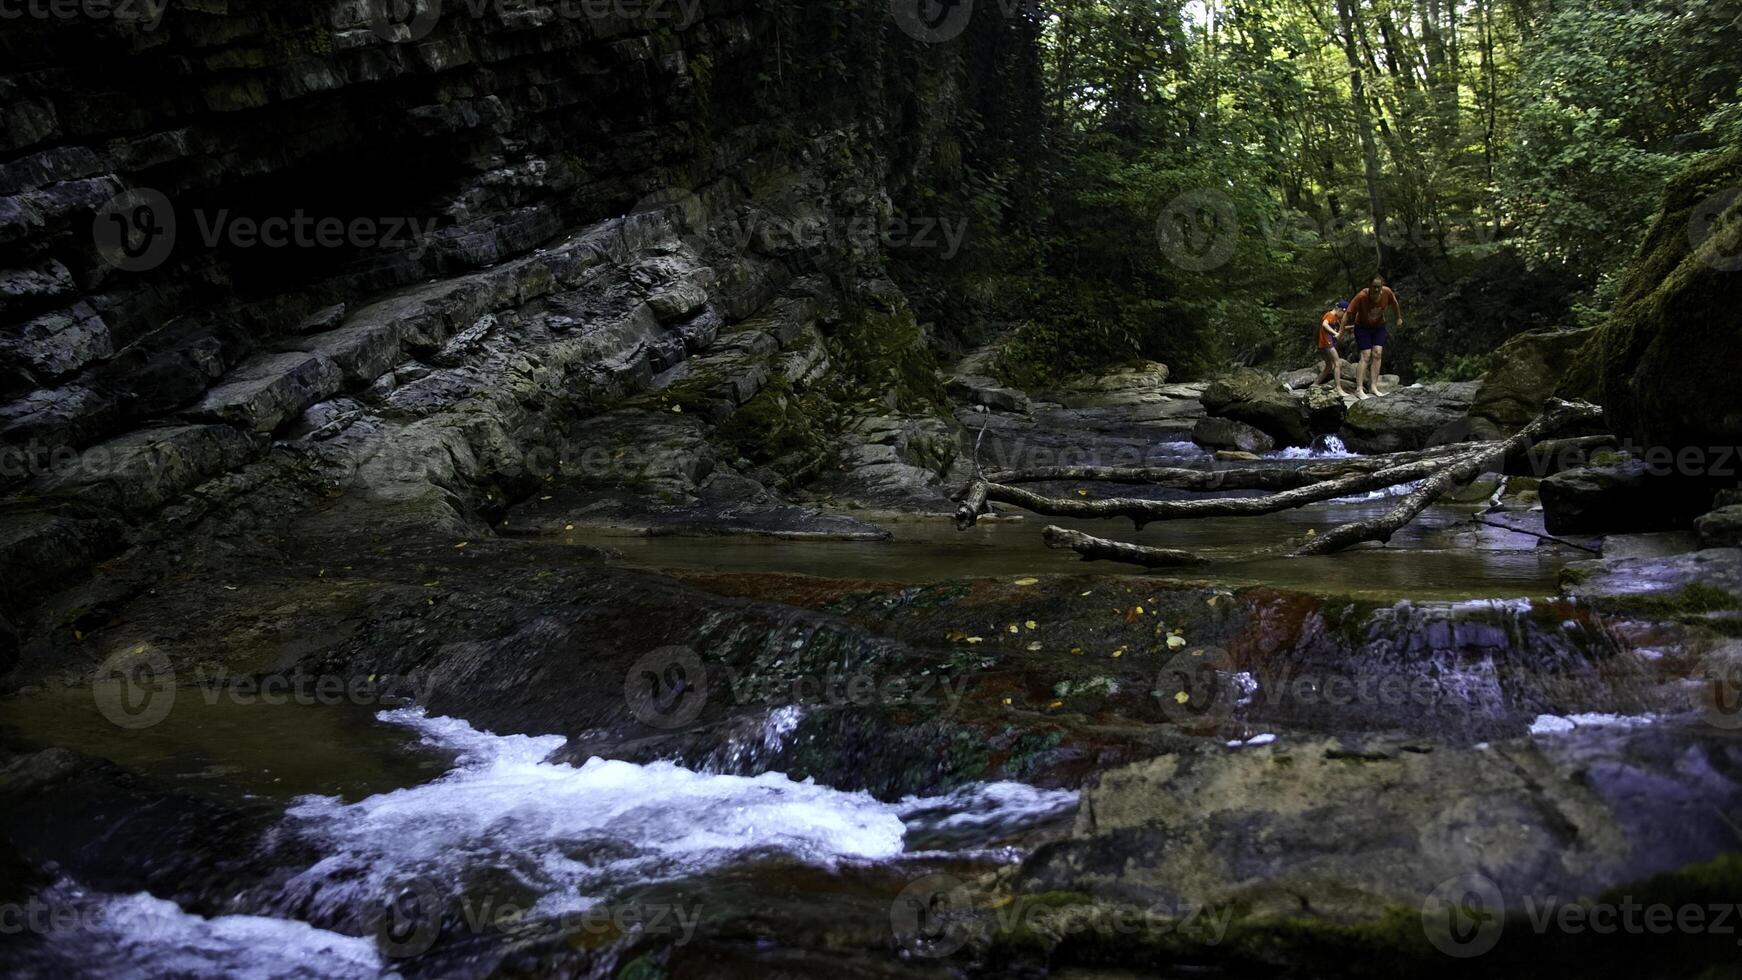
(1330, 331)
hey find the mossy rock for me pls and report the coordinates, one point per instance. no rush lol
(1673, 345)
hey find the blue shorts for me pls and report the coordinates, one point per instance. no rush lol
(1367, 338)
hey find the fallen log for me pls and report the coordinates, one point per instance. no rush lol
(1459, 470)
(1279, 475)
(1142, 512)
(1560, 414)
(1097, 549)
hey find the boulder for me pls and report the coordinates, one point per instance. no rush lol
(1215, 433)
(1325, 409)
(1527, 371)
(1410, 418)
(1619, 494)
(1662, 361)
(1722, 528)
(1261, 401)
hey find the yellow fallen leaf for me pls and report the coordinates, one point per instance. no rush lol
(462, 544)
(545, 497)
(1011, 628)
(1181, 698)
(78, 635)
(1026, 581)
(1119, 653)
(568, 527)
(1034, 647)
(677, 409)
(975, 639)
(1090, 592)
(1076, 651)
(1054, 706)
(1082, 492)
(1031, 624)
(1175, 642)
(1139, 610)
(1006, 700)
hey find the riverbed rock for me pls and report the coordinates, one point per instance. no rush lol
(1325, 409)
(1218, 433)
(1527, 370)
(1259, 400)
(1346, 829)
(1670, 346)
(1721, 528)
(1617, 495)
(1415, 417)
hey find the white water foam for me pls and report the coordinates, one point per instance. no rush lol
(1325, 447)
(1558, 724)
(129, 936)
(573, 834)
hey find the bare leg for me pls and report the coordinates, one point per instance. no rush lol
(1361, 374)
(1337, 371)
(1378, 369)
(1326, 365)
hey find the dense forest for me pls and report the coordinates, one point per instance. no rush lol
(653, 489)
(1205, 178)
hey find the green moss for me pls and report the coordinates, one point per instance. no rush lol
(778, 423)
(1691, 603)
(884, 351)
(1677, 298)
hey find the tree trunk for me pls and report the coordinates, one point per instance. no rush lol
(1363, 123)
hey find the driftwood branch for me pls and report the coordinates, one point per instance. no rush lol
(1539, 535)
(1559, 415)
(1096, 549)
(1451, 472)
(1000, 486)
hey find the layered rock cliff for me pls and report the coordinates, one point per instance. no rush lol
(296, 271)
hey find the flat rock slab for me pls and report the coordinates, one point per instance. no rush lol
(141, 471)
(1351, 828)
(266, 391)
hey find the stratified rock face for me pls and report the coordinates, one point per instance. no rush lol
(1261, 401)
(1526, 371)
(1667, 359)
(416, 254)
(1410, 418)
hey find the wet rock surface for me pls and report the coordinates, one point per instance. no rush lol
(1415, 417)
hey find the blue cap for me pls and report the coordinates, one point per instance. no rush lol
(1342, 304)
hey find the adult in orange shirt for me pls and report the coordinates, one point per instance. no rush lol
(1367, 312)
